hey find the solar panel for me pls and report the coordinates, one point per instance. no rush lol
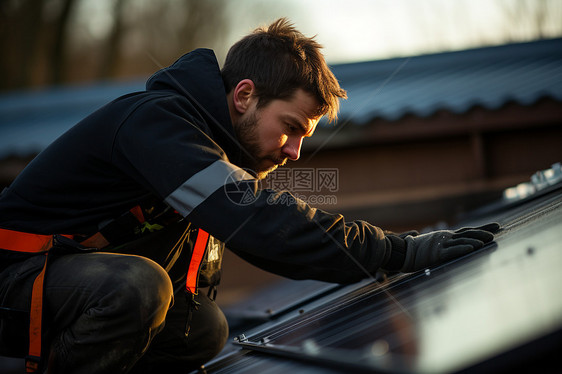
(449, 318)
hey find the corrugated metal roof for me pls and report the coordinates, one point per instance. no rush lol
(388, 89)
(455, 81)
(31, 120)
(495, 310)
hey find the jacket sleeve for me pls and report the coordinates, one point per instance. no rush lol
(176, 158)
(282, 234)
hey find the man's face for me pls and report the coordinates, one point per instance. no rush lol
(274, 133)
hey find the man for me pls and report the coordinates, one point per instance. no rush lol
(141, 195)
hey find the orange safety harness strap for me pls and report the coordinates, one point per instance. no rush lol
(33, 359)
(196, 259)
(193, 276)
(137, 212)
(19, 241)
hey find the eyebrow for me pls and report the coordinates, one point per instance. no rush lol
(307, 131)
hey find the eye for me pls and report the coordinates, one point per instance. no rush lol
(292, 128)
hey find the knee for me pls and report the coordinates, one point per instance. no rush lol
(172, 351)
(209, 330)
(141, 287)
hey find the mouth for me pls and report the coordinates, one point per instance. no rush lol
(270, 162)
(268, 165)
(280, 161)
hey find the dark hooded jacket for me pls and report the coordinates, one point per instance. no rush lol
(175, 143)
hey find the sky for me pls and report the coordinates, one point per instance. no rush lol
(359, 30)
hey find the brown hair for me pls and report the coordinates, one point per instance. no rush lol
(279, 60)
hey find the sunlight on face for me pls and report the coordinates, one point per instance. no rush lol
(273, 134)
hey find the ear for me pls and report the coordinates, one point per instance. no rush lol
(243, 94)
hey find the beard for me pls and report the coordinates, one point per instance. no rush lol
(252, 157)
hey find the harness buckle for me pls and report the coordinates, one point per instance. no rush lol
(32, 364)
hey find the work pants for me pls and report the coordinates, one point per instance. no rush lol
(109, 313)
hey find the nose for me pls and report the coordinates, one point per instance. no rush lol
(292, 148)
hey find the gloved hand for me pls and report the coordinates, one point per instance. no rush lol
(402, 235)
(440, 246)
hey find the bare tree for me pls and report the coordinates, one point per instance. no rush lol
(156, 33)
(59, 52)
(38, 38)
(529, 16)
(20, 26)
(111, 52)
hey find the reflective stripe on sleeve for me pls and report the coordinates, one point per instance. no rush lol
(201, 185)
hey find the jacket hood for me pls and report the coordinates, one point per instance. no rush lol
(196, 76)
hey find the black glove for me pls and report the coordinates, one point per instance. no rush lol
(402, 235)
(440, 246)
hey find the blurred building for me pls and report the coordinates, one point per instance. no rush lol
(420, 139)
(426, 138)
(497, 310)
